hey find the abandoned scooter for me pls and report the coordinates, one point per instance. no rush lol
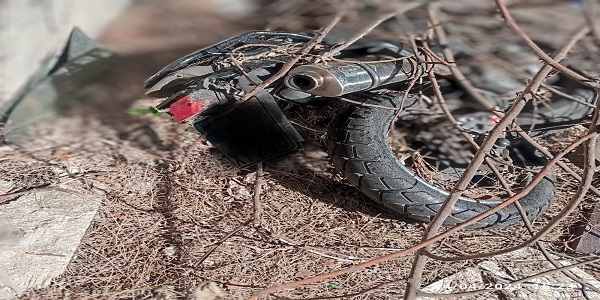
(209, 90)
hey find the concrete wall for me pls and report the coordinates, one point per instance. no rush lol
(33, 29)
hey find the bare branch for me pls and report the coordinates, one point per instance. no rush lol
(256, 216)
(541, 54)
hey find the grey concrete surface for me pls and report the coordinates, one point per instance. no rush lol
(40, 232)
(555, 286)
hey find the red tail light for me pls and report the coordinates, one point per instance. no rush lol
(184, 108)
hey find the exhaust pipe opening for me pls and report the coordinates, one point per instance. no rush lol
(304, 81)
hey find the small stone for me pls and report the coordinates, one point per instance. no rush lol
(170, 251)
(208, 290)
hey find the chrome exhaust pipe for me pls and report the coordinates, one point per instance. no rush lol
(335, 78)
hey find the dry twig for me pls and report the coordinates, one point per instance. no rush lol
(257, 214)
(218, 243)
(554, 62)
(293, 60)
(430, 241)
(433, 9)
(414, 283)
(369, 27)
(516, 282)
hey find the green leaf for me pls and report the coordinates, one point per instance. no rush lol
(145, 111)
(332, 287)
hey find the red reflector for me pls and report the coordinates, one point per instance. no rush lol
(184, 108)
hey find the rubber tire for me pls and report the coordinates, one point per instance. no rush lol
(357, 141)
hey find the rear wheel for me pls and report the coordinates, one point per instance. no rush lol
(358, 142)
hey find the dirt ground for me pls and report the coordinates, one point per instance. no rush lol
(177, 219)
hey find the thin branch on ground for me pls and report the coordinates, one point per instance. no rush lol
(258, 210)
(589, 12)
(443, 105)
(563, 94)
(547, 153)
(445, 210)
(585, 184)
(547, 255)
(221, 241)
(468, 87)
(426, 243)
(567, 273)
(513, 283)
(363, 292)
(540, 53)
